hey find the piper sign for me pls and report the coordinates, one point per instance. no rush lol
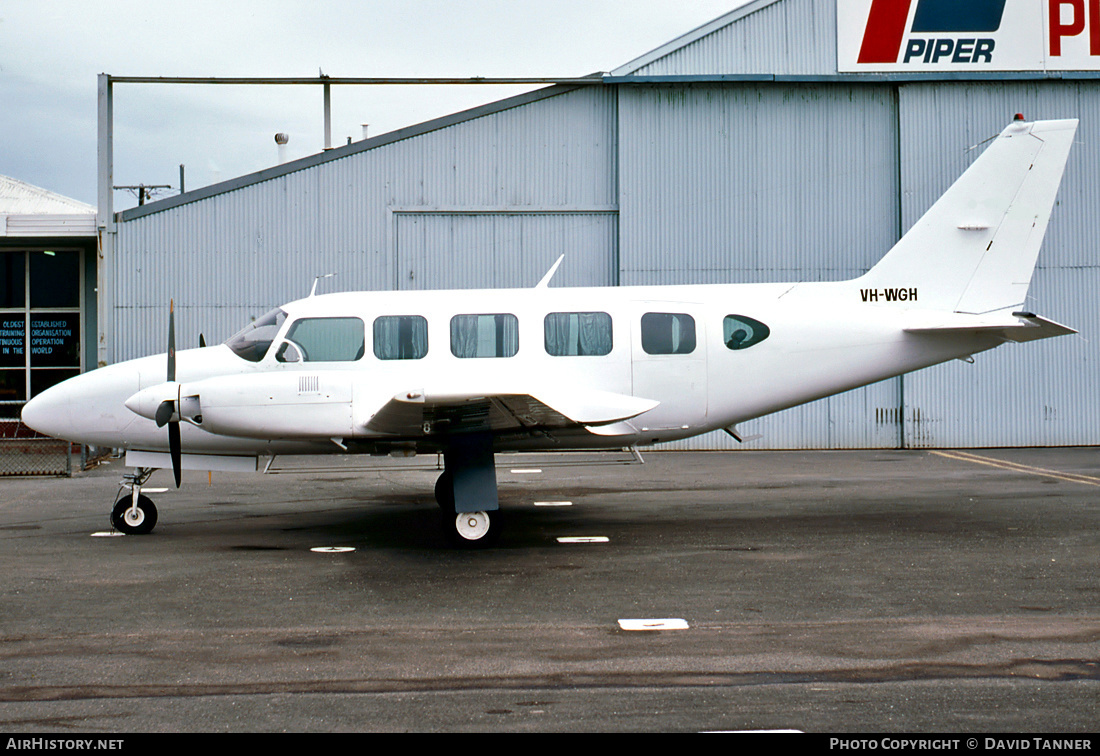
(968, 35)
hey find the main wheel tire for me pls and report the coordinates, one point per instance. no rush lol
(445, 492)
(473, 530)
(126, 520)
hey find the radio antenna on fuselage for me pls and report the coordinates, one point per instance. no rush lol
(317, 280)
(545, 282)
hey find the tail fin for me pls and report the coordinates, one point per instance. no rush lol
(975, 249)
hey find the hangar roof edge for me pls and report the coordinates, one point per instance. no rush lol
(692, 36)
(856, 78)
(336, 153)
(27, 211)
(20, 198)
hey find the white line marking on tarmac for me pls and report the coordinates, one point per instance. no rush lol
(752, 732)
(673, 623)
(553, 503)
(1016, 467)
(332, 549)
(583, 539)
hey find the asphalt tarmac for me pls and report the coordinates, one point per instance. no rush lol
(868, 591)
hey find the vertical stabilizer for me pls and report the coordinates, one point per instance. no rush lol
(975, 249)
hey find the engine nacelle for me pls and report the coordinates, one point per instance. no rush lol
(260, 405)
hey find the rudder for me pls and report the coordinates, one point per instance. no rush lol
(975, 249)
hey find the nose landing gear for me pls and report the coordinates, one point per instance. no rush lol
(131, 519)
(133, 513)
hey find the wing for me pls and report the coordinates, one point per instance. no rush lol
(418, 413)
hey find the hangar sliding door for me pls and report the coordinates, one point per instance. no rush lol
(503, 249)
(762, 182)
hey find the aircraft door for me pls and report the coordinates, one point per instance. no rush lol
(669, 364)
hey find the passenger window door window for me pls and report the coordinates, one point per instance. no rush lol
(400, 337)
(577, 334)
(494, 335)
(668, 333)
(740, 332)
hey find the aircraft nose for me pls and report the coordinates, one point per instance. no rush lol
(86, 408)
(50, 413)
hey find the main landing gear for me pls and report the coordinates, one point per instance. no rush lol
(133, 513)
(466, 492)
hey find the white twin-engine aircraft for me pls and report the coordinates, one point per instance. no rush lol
(471, 373)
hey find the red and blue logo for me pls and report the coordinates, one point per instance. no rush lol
(886, 30)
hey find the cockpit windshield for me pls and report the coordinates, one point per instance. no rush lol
(253, 341)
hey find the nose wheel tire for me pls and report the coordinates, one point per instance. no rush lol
(126, 519)
(474, 530)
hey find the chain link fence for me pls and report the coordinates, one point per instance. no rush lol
(24, 452)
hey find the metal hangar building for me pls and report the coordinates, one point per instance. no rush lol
(787, 140)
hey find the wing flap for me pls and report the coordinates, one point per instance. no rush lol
(417, 413)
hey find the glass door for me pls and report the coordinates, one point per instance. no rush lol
(40, 322)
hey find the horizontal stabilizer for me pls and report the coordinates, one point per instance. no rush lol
(1020, 326)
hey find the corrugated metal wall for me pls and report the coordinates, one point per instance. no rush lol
(728, 183)
(784, 38)
(491, 249)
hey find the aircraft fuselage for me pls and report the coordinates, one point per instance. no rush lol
(822, 338)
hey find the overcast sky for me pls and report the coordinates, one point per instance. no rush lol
(52, 50)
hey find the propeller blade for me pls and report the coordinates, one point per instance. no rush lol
(166, 409)
(171, 341)
(174, 449)
(202, 341)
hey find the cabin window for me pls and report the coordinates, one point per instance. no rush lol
(740, 332)
(668, 333)
(288, 352)
(484, 335)
(577, 334)
(400, 337)
(253, 341)
(324, 340)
